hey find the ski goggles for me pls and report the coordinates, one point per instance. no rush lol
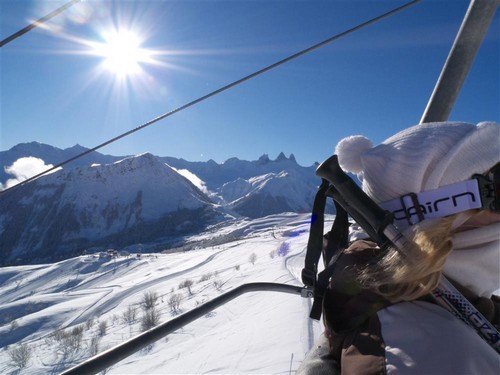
(480, 192)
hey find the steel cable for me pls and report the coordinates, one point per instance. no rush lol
(38, 22)
(218, 91)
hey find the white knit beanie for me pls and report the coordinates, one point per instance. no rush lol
(421, 158)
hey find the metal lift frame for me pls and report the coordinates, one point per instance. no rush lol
(460, 58)
(108, 358)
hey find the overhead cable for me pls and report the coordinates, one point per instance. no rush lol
(38, 22)
(218, 91)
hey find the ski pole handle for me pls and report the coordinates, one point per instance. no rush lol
(354, 200)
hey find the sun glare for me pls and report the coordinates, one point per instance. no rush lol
(122, 53)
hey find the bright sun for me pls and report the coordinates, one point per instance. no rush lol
(122, 53)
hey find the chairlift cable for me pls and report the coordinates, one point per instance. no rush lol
(38, 22)
(220, 90)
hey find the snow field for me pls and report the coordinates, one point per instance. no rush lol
(258, 333)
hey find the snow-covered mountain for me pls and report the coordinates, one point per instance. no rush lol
(286, 191)
(103, 203)
(215, 175)
(256, 188)
(51, 155)
(136, 200)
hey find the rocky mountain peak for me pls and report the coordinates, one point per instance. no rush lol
(281, 157)
(264, 159)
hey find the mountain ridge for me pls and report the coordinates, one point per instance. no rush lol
(109, 201)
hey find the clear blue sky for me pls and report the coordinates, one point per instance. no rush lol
(375, 82)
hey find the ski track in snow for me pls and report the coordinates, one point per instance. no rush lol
(294, 263)
(107, 304)
(264, 332)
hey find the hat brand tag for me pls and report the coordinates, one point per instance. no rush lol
(444, 201)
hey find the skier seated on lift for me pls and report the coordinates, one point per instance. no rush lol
(377, 313)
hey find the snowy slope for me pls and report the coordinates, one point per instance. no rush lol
(264, 333)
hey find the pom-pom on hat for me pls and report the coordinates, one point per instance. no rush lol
(421, 158)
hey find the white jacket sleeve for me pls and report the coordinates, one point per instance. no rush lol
(423, 338)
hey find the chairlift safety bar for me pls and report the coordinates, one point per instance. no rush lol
(112, 356)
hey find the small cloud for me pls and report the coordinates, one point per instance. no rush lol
(24, 168)
(195, 180)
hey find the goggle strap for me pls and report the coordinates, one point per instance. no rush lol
(447, 200)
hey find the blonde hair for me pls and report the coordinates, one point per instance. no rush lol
(410, 273)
